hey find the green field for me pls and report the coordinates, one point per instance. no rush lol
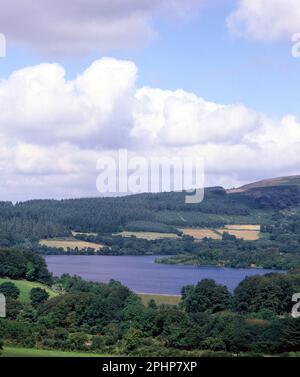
(32, 352)
(26, 286)
(160, 299)
(147, 235)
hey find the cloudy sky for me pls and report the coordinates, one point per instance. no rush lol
(84, 78)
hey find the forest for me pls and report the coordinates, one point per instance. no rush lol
(99, 220)
(254, 320)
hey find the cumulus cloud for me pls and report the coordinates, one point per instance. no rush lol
(53, 130)
(80, 26)
(265, 20)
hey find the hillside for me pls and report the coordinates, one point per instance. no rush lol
(293, 180)
(157, 217)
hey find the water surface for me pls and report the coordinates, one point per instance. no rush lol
(142, 275)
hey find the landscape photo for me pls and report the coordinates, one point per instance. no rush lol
(150, 180)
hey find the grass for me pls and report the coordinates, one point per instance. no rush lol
(160, 299)
(250, 227)
(32, 352)
(147, 235)
(26, 286)
(70, 243)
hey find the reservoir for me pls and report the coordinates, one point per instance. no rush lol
(142, 275)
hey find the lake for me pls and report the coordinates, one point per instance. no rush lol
(142, 275)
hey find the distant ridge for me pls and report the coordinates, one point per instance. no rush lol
(293, 180)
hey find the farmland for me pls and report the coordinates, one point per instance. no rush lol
(147, 235)
(83, 233)
(200, 233)
(242, 231)
(70, 243)
(243, 227)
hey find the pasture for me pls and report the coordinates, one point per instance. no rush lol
(26, 286)
(84, 233)
(147, 235)
(250, 227)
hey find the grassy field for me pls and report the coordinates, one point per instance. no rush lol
(147, 235)
(26, 286)
(86, 234)
(31, 352)
(160, 299)
(200, 233)
(70, 244)
(250, 227)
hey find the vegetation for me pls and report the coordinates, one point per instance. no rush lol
(161, 299)
(26, 286)
(32, 352)
(163, 224)
(98, 318)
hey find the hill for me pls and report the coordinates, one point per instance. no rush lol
(24, 224)
(293, 180)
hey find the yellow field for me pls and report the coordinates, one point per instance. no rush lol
(243, 227)
(86, 234)
(248, 235)
(147, 235)
(200, 233)
(70, 244)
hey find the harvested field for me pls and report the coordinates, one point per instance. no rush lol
(248, 235)
(200, 233)
(70, 244)
(243, 227)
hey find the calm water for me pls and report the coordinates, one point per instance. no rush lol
(141, 274)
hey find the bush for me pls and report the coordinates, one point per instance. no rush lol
(10, 290)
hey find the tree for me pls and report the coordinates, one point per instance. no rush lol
(10, 290)
(38, 296)
(205, 296)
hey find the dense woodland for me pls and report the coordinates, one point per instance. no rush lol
(32, 220)
(109, 318)
(277, 209)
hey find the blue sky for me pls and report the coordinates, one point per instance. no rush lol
(210, 78)
(198, 55)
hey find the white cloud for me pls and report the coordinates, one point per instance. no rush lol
(53, 130)
(265, 20)
(81, 26)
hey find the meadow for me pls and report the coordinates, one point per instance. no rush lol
(159, 299)
(147, 235)
(26, 286)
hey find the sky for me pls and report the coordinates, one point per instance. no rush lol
(83, 79)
